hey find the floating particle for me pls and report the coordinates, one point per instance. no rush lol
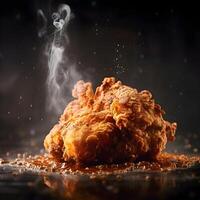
(141, 56)
(8, 112)
(31, 105)
(140, 70)
(33, 143)
(181, 93)
(179, 106)
(119, 69)
(171, 86)
(195, 150)
(30, 118)
(93, 3)
(188, 146)
(96, 31)
(19, 155)
(175, 151)
(18, 16)
(20, 97)
(32, 132)
(185, 60)
(195, 136)
(186, 141)
(42, 150)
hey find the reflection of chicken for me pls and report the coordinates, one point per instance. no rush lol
(116, 123)
(140, 187)
(65, 186)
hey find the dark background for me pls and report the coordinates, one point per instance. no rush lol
(157, 45)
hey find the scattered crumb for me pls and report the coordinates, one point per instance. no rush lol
(1, 161)
(45, 163)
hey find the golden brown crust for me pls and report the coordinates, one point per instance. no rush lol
(113, 124)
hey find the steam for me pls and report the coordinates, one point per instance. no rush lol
(61, 73)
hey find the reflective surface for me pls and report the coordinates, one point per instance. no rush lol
(179, 184)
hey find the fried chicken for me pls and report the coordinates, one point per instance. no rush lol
(115, 123)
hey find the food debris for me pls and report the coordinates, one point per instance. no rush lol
(46, 163)
(2, 161)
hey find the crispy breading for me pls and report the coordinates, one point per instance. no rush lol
(115, 123)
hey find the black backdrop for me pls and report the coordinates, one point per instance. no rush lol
(159, 49)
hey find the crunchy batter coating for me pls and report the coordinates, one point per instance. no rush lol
(115, 123)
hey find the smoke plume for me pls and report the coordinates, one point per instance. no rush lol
(61, 73)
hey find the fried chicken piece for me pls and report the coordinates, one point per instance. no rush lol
(115, 123)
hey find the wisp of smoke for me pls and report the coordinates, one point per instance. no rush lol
(43, 21)
(61, 74)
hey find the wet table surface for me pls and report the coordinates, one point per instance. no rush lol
(178, 184)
